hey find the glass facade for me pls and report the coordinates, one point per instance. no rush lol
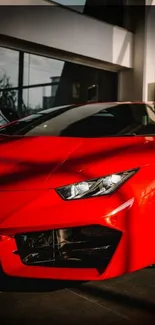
(30, 83)
(9, 75)
(77, 5)
(8, 68)
(41, 76)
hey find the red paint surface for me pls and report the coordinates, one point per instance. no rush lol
(30, 169)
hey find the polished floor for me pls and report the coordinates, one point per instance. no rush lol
(125, 300)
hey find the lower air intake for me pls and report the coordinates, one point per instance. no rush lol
(78, 247)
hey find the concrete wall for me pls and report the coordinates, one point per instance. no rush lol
(138, 60)
(59, 28)
(125, 85)
(149, 63)
(139, 84)
(131, 82)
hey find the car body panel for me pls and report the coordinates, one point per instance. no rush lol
(27, 162)
(31, 168)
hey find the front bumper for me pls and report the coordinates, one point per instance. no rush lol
(93, 263)
(85, 254)
(78, 247)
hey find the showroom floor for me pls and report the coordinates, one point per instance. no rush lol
(126, 300)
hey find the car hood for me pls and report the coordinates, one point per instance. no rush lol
(28, 163)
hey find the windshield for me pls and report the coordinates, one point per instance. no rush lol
(89, 120)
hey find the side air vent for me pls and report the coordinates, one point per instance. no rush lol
(78, 247)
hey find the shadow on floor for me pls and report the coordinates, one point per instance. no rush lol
(85, 303)
(126, 299)
(12, 284)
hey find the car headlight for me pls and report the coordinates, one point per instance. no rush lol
(95, 187)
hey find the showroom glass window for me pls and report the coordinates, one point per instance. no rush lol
(77, 5)
(9, 73)
(41, 81)
(30, 83)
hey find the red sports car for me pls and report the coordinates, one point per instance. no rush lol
(77, 192)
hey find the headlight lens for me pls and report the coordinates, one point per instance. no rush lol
(96, 187)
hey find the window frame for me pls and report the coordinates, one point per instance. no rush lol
(20, 87)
